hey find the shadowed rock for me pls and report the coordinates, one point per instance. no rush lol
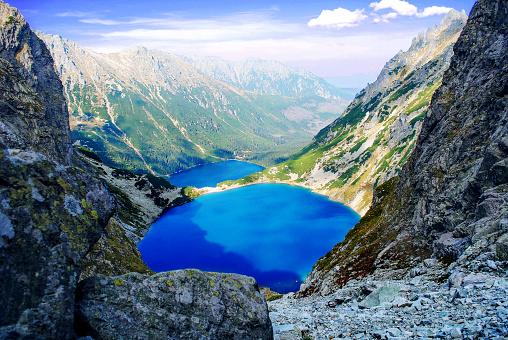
(183, 304)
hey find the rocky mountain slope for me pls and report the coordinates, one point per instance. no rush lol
(153, 111)
(450, 199)
(58, 221)
(266, 77)
(52, 211)
(375, 136)
(140, 199)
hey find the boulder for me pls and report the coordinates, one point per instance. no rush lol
(381, 295)
(182, 304)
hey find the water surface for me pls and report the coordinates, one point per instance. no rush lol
(209, 175)
(272, 232)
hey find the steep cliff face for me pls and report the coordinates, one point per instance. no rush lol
(51, 210)
(34, 113)
(453, 190)
(370, 143)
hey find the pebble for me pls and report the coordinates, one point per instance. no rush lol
(421, 309)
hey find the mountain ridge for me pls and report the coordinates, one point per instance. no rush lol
(449, 201)
(275, 78)
(370, 142)
(184, 117)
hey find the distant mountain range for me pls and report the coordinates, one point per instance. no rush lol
(371, 141)
(266, 77)
(152, 111)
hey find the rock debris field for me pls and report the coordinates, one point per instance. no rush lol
(466, 305)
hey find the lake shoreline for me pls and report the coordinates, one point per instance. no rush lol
(272, 232)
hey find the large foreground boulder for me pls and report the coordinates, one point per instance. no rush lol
(183, 304)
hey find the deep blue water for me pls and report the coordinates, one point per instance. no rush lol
(209, 175)
(272, 232)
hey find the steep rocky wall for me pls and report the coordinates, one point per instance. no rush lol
(33, 110)
(453, 191)
(51, 210)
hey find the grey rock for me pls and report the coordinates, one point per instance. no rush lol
(477, 279)
(184, 304)
(380, 295)
(45, 231)
(492, 265)
(449, 246)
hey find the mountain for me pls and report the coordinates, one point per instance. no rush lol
(52, 210)
(152, 111)
(67, 224)
(266, 77)
(374, 137)
(449, 201)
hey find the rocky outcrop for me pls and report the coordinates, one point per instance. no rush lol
(374, 137)
(33, 109)
(51, 209)
(140, 199)
(453, 192)
(184, 304)
(113, 254)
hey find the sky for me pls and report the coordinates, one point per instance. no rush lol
(341, 38)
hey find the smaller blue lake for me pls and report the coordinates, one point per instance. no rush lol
(272, 232)
(209, 175)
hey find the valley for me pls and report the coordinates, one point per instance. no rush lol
(145, 110)
(374, 137)
(97, 243)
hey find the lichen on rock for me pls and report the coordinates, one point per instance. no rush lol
(183, 304)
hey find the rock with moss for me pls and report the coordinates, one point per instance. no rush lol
(113, 254)
(51, 209)
(140, 199)
(183, 304)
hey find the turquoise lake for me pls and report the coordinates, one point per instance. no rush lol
(209, 175)
(272, 232)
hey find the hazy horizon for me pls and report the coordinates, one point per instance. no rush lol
(346, 40)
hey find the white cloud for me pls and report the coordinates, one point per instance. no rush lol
(399, 6)
(76, 14)
(434, 10)
(385, 17)
(338, 18)
(100, 22)
(244, 26)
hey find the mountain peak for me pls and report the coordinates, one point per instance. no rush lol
(9, 15)
(452, 19)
